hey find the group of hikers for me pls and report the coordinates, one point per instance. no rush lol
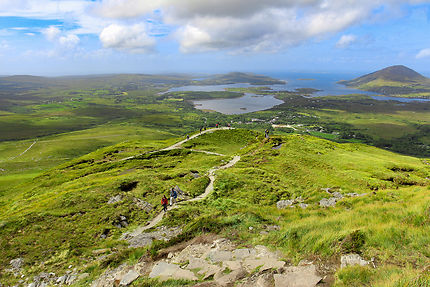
(173, 198)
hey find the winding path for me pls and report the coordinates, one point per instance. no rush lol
(208, 190)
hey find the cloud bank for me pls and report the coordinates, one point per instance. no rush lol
(250, 25)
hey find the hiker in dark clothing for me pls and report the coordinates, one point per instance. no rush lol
(266, 133)
(164, 203)
(188, 137)
(173, 196)
(201, 129)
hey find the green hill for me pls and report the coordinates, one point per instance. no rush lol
(63, 217)
(395, 81)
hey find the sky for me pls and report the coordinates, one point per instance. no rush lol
(74, 37)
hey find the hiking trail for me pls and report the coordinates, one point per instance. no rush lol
(209, 188)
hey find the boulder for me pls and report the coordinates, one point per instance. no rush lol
(303, 205)
(351, 260)
(129, 278)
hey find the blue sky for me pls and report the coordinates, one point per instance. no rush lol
(66, 37)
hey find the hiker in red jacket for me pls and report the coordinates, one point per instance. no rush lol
(164, 202)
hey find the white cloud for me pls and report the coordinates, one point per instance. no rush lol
(346, 40)
(69, 41)
(424, 53)
(127, 38)
(249, 25)
(51, 33)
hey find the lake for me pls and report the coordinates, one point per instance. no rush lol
(325, 83)
(246, 104)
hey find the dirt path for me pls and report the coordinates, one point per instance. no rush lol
(178, 144)
(24, 151)
(208, 190)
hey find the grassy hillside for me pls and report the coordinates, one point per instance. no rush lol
(62, 216)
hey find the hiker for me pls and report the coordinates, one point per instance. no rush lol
(173, 196)
(229, 126)
(201, 129)
(164, 203)
(188, 137)
(216, 125)
(266, 133)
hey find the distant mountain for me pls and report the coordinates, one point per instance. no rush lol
(394, 81)
(397, 73)
(236, 77)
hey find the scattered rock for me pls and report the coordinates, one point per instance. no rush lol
(351, 260)
(165, 271)
(231, 278)
(337, 195)
(272, 227)
(146, 206)
(145, 239)
(129, 278)
(303, 205)
(115, 199)
(82, 276)
(262, 264)
(328, 202)
(216, 256)
(302, 276)
(121, 222)
(16, 264)
(284, 203)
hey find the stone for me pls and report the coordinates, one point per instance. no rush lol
(302, 276)
(303, 205)
(232, 265)
(351, 260)
(146, 206)
(264, 280)
(338, 195)
(231, 278)
(62, 279)
(165, 271)
(206, 269)
(115, 199)
(262, 264)
(191, 251)
(273, 227)
(328, 202)
(129, 278)
(284, 203)
(71, 278)
(243, 253)
(16, 263)
(219, 255)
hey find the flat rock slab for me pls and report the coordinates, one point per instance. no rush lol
(264, 264)
(165, 271)
(220, 256)
(231, 278)
(129, 278)
(300, 276)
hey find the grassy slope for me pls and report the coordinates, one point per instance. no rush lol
(58, 218)
(392, 218)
